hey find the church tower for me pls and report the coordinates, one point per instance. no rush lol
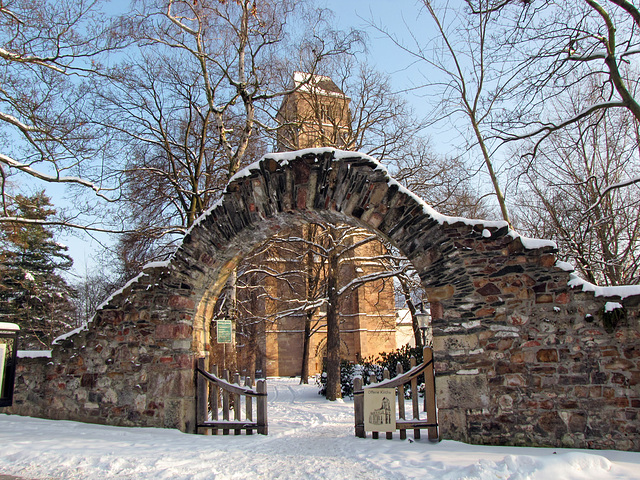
(316, 114)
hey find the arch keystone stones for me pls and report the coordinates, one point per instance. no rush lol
(518, 339)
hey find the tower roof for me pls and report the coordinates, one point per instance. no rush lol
(317, 84)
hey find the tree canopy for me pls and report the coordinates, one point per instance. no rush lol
(33, 294)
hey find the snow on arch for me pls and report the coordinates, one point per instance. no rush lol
(285, 158)
(483, 228)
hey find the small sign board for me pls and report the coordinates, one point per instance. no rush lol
(380, 409)
(225, 331)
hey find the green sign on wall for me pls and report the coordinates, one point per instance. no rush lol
(225, 330)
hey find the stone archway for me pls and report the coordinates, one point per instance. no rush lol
(519, 344)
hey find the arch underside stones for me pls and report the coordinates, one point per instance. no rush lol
(521, 356)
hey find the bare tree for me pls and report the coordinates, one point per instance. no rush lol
(188, 105)
(48, 54)
(562, 45)
(563, 198)
(91, 291)
(309, 281)
(445, 183)
(469, 77)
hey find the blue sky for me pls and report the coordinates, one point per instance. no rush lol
(397, 15)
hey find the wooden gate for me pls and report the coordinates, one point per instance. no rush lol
(211, 390)
(400, 383)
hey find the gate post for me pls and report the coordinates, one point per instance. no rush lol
(201, 394)
(430, 393)
(358, 407)
(261, 387)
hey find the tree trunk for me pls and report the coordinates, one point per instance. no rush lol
(417, 334)
(309, 287)
(334, 390)
(304, 371)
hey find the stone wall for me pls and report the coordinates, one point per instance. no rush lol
(525, 359)
(522, 357)
(133, 366)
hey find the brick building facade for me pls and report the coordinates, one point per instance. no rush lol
(317, 114)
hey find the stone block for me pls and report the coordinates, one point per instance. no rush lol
(451, 344)
(514, 380)
(506, 403)
(544, 298)
(620, 364)
(453, 424)
(181, 302)
(462, 391)
(489, 289)
(547, 355)
(437, 294)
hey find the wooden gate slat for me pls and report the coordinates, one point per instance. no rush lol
(400, 381)
(209, 389)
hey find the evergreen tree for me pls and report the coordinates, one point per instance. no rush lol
(32, 293)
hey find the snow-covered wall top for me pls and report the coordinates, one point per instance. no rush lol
(9, 326)
(285, 158)
(483, 228)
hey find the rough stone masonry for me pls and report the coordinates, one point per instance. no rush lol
(526, 354)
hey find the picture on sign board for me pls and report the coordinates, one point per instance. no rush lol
(380, 409)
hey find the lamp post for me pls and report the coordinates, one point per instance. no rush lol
(8, 354)
(423, 323)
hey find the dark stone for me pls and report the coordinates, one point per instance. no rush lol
(509, 270)
(489, 289)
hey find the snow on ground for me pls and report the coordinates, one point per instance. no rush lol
(309, 438)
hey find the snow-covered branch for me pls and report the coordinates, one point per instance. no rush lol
(53, 178)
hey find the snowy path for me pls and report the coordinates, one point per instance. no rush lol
(308, 438)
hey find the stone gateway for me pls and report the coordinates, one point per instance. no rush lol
(526, 353)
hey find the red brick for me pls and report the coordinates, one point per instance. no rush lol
(547, 355)
(544, 298)
(517, 357)
(547, 405)
(514, 380)
(547, 260)
(620, 402)
(592, 332)
(489, 289)
(184, 361)
(173, 331)
(581, 391)
(516, 319)
(301, 199)
(178, 301)
(609, 352)
(483, 312)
